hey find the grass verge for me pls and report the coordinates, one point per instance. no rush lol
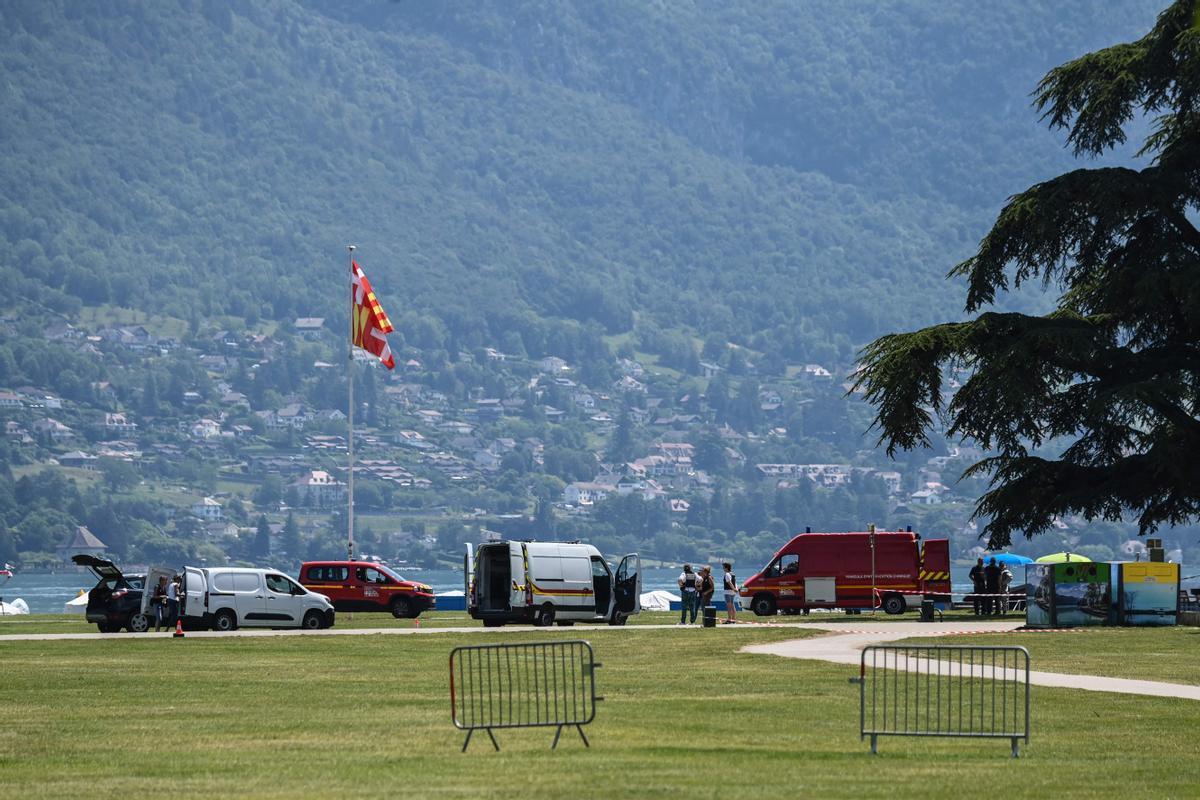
(369, 716)
(1152, 654)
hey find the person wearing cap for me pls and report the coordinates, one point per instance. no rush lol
(689, 593)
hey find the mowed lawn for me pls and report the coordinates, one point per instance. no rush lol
(368, 716)
(75, 623)
(1153, 654)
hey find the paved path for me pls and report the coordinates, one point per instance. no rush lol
(844, 647)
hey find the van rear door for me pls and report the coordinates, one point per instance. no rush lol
(628, 585)
(195, 591)
(468, 569)
(153, 574)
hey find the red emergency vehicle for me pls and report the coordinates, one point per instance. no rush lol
(366, 586)
(850, 571)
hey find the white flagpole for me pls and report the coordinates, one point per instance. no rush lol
(350, 416)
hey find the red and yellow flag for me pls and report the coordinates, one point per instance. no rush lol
(371, 323)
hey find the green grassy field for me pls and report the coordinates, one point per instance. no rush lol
(368, 716)
(74, 623)
(1153, 654)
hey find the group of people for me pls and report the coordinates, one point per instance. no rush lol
(165, 601)
(696, 590)
(991, 587)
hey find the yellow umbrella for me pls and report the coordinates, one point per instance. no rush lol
(1060, 558)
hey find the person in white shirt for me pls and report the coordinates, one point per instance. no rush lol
(731, 596)
(172, 601)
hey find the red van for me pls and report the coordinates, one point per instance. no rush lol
(850, 571)
(366, 586)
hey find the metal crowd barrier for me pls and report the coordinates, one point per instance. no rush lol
(546, 684)
(943, 690)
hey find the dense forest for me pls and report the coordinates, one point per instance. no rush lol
(791, 177)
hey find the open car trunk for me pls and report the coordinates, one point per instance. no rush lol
(102, 568)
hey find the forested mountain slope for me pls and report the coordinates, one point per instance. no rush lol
(796, 177)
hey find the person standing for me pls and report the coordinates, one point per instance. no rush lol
(707, 587)
(159, 600)
(689, 593)
(979, 582)
(172, 601)
(991, 575)
(731, 587)
(1006, 577)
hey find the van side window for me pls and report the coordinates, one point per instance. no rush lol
(223, 582)
(599, 570)
(245, 582)
(369, 575)
(788, 564)
(279, 584)
(317, 574)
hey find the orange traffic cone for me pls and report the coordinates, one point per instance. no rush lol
(178, 629)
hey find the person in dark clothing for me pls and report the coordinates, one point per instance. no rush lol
(689, 593)
(979, 582)
(991, 574)
(707, 587)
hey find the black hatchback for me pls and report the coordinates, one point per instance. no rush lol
(116, 601)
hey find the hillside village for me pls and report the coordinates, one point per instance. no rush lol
(232, 445)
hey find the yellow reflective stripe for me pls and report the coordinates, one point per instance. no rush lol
(877, 586)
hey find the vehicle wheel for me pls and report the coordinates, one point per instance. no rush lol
(106, 627)
(225, 621)
(138, 623)
(618, 618)
(763, 605)
(894, 604)
(545, 616)
(313, 621)
(401, 608)
(493, 623)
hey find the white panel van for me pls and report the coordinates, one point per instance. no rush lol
(224, 598)
(548, 582)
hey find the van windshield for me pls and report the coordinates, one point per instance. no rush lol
(389, 572)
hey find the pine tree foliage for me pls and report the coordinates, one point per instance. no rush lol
(1114, 370)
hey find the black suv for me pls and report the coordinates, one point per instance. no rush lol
(116, 601)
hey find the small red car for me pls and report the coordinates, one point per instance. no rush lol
(366, 586)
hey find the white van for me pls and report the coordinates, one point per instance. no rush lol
(223, 598)
(548, 582)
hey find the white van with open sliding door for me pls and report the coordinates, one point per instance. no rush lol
(225, 598)
(548, 582)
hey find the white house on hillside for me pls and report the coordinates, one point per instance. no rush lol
(585, 494)
(208, 509)
(320, 489)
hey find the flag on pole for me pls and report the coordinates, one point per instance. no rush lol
(371, 323)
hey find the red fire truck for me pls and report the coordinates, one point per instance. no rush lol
(850, 571)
